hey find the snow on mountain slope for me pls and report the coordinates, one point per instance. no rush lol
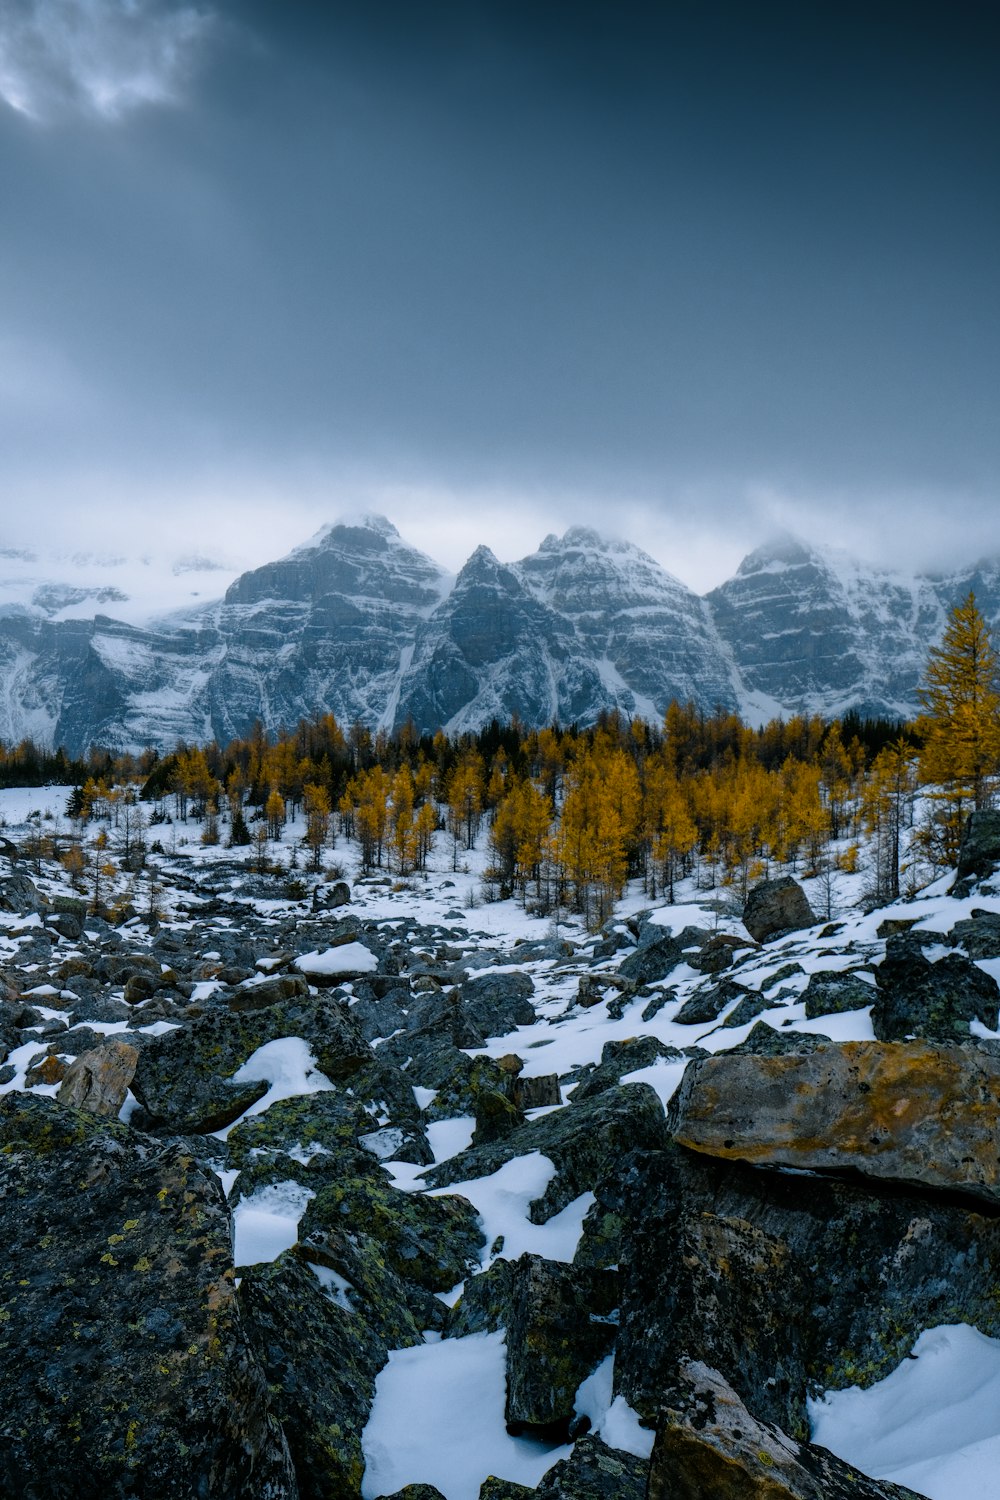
(359, 623)
(815, 632)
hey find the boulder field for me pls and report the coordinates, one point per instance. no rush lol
(783, 1217)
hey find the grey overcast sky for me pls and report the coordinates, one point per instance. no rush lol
(685, 272)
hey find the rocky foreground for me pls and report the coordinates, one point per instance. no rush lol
(799, 1213)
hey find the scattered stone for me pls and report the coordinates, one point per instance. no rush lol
(184, 1078)
(259, 994)
(765, 1041)
(498, 1003)
(584, 1141)
(540, 1092)
(19, 894)
(717, 953)
(775, 907)
(708, 1004)
(619, 1058)
(504, 1489)
(433, 1242)
(653, 959)
(48, 1070)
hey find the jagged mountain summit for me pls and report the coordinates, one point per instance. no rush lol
(359, 623)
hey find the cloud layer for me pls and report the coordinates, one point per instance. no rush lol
(98, 57)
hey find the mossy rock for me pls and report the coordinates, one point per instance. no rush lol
(320, 1358)
(124, 1364)
(432, 1242)
(184, 1079)
(594, 1471)
(329, 1120)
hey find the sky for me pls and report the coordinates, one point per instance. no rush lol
(689, 273)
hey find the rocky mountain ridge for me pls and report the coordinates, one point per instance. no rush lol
(359, 623)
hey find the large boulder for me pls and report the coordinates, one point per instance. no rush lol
(557, 1333)
(713, 1446)
(125, 1368)
(905, 1112)
(775, 907)
(915, 997)
(788, 1284)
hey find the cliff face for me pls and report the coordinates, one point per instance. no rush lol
(360, 624)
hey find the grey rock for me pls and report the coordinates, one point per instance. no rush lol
(558, 1331)
(829, 992)
(775, 907)
(708, 1003)
(786, 1284)
(594, 1471)
(320, 1359)
(915, 997)
(498, 1003)
(98, 1081)
(584, 1141)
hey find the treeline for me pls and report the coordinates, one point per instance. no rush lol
(26, 764)
(572, 814)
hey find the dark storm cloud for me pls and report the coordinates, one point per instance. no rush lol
(736, 257)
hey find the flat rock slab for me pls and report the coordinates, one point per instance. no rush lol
(909, 1112)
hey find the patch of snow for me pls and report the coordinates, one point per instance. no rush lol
(267, 1222)
(448, 1137)
(502, 1201)
(933, 1424)
(438, 1418)
(611, 1417)
(288, 1066)
(349, 958)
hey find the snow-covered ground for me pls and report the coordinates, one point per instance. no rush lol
(933, 1424)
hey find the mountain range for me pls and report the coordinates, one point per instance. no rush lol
(359, 623)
